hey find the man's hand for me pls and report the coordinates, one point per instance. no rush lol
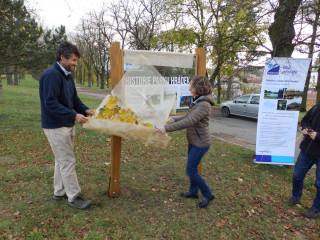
(90, 112)
(313, 135)
(161, 130)
(80, 118)
(305, 131)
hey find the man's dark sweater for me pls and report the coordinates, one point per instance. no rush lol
(59, 100)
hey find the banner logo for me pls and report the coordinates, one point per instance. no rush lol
(273, 69)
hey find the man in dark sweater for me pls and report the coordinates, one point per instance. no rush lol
(309, 155)
(60, 108)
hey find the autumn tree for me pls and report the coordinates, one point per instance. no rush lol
(19, 34)
(94, 39)
(308, 18)
(85, 43)
(229, 30)
(44, 54)
(102, 37)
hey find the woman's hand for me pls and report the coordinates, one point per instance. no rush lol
(170, 120)
(161, 130)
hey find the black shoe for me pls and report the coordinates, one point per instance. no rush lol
(80, 202)
(58, 198)
(205, 201)
(311, 213)
(293, 201)
(189, 195)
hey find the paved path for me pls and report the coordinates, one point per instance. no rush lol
(92, 93)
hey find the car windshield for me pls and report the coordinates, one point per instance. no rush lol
(255, 100)
(243, 99)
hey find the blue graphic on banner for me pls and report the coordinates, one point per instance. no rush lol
(274, 159)
(273, 69)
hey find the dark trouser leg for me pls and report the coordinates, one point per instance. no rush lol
(195, 155)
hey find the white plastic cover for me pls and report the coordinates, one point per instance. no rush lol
(147, 93)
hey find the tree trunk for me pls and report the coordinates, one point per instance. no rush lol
(303, 107)
(75, 74)
(219, 89)
(107, 72)
(8, 75)
(229, 88)
(89, 78)
(281, 31)
(0, 88)
(97, 82)
(108, 76)
(216, 75)
(84, 77)
(102, 77)
(318, 82)
(15, 77)
(80, 76)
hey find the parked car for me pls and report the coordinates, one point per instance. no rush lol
(246, 105)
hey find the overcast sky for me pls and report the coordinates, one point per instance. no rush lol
(54, 13)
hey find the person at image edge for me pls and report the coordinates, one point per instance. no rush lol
(309, 156)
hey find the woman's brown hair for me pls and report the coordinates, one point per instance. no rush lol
(201, 85)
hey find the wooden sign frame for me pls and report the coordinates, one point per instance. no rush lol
(117, 72)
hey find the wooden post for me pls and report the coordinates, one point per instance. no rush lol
(201, 69)
(116, 61)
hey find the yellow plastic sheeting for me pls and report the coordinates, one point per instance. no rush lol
(140, 134)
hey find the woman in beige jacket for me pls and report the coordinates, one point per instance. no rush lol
(198, 134)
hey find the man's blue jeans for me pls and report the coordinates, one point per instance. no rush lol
(195, 155)
(303, 165)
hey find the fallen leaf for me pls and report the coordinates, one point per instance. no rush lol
(254, 231)
(240, 180)
(17, 213)
(220, 224)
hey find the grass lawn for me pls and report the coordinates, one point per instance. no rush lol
(248, 204)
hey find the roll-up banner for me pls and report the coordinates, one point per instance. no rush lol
(281, 95)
